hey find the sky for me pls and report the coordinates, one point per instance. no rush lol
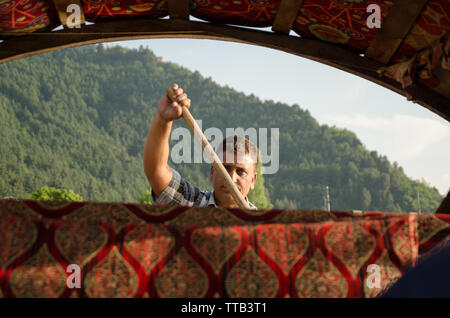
(416, 138)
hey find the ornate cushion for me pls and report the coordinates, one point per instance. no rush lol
(27, 16)
(256, 13)
(341, 22)
(431, 24)
(95, 10)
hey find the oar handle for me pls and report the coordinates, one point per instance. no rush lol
(206, 147)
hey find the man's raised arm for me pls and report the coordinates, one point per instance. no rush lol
(156, 150)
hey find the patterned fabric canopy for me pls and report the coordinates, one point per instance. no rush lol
(250, 13)
(27, 16)
(335, 21)
(433, 23)
(98, 10)
(133, 250)
(423, 66)
(342, 23)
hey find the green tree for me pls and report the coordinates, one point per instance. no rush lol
(259, 196)
(366, 198)
(53, 194)
(146, 197)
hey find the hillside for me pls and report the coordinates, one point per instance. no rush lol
(78, 119)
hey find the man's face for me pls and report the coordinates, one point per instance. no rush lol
(243, 174)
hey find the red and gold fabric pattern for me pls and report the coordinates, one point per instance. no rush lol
(27, 16)
(255, 13)
(133, 250)
(95, 10)
(432, 23)
(430, 66)
(339, 22)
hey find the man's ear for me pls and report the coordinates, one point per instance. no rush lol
(211, 171)
(255, 176)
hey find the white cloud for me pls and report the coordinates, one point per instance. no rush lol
(402, 135)
(443, 183)
(420, 145)
(354, 89)
(190, 52)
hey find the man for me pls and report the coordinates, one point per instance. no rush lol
(238, 155)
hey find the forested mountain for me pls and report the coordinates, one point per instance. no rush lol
(78, 119)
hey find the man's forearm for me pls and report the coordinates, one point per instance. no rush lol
(156, 150)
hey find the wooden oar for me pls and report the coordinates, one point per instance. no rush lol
(206, 147)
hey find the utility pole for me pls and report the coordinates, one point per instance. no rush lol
(328, 199)
(418, 200)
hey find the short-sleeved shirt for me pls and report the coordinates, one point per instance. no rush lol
(181, 192)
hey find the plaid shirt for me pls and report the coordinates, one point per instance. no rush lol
(181, 192)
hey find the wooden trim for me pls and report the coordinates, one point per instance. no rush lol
(179, 9)
(285, 18)
(319, 51)
(61, 8)
(394, 29)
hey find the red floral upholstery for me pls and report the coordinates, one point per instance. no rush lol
(339, 22)
(27, 16)
(133, 250)
(106, 9)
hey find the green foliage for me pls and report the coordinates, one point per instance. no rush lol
(78, 119)
(259, 196)
(146, 197)
(53, 194)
